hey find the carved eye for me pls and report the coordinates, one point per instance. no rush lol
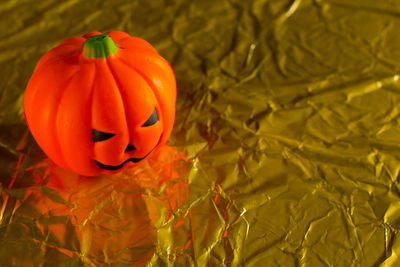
(101, 136)
(152, 119)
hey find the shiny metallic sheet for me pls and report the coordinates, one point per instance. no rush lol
(285, 150)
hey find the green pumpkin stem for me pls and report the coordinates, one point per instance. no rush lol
(99, 46)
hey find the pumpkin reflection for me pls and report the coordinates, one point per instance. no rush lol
(112, 218)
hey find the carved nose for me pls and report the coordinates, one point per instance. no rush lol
(130, 147)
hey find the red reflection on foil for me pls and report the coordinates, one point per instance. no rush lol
(111, 218)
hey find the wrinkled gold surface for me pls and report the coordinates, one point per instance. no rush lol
(285, 150)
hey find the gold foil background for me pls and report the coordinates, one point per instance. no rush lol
(285, 150)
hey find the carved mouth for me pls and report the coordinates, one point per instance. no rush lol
(134, 160)
(116, 167)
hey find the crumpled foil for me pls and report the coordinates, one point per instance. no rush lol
(285, 149)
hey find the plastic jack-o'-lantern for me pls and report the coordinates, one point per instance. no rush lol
(99, 103)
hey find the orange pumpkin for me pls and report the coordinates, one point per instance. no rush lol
(99, 103)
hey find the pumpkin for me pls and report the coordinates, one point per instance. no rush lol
(101, 102)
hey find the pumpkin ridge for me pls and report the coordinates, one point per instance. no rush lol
(64, 56)
(141, 74)
(148, 82)
(56, 135)
(136, 43)
(83, 92)
(118, 85)
(61, 51)
(91, 104)
(52, 127)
